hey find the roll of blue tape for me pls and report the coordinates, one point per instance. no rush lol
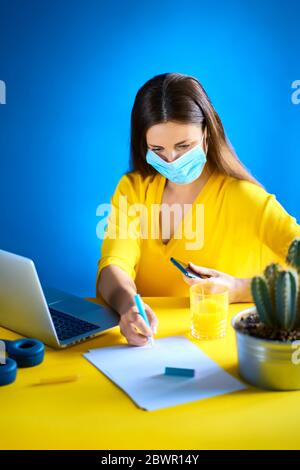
(8, 371)
(27, 352)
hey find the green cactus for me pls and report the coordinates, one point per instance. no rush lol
(262, 299)
(293, 259)
(286, 297)
(293, 256)
(271, 273)
(276, 293)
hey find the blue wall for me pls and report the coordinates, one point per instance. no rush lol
(72, 69)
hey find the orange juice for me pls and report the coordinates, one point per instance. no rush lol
(209, 311)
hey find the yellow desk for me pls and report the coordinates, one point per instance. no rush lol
(93, 413)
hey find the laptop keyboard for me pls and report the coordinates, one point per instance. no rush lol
(67, 326)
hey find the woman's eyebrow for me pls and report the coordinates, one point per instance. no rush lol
(178, 143)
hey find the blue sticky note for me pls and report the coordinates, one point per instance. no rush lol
(180, 371)
(139, 371)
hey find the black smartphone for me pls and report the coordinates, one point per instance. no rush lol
(184, 268)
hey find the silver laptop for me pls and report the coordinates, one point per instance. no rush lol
(55, 317)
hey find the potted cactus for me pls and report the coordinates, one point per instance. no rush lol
(268, 334)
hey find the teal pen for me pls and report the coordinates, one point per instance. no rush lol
(140, 306)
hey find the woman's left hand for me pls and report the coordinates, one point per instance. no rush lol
(216, 277)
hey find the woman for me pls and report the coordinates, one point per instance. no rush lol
(200, 202)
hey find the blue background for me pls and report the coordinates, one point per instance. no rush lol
(72, 69)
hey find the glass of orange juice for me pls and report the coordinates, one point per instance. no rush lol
(209, 303)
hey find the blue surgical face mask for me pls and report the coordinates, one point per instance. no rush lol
(184, 169)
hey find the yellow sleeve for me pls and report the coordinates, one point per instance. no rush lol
(278, 228)
(121, 243)
(262, 214)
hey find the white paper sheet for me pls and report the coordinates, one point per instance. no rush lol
(140, 372)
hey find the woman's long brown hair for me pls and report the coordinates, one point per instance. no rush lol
(181, 98)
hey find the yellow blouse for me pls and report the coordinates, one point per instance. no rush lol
(242, 228)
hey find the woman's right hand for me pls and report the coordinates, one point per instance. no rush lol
(134, 327)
